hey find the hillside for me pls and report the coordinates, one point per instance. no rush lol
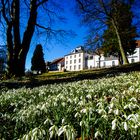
(60, 77)
(106, 108)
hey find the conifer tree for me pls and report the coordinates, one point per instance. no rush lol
(38, 62)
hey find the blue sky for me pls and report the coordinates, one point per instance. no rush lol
(54, 49)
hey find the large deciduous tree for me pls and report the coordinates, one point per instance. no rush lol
(18, 38)
(127, 33)
(38, 62)
(104, 12)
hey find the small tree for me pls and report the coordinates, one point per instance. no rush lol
(94, 45)
(38, 63)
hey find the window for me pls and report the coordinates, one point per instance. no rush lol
(75, 61)
(79, 66)
(66, 57)
(79, 55)
(71, 56)
(79, 60)
(132, 60)
(97, 64)
(70, 61)
(104, 64)
(70, 67)
(66, 62)
(74, 67)
(113, 63)
(66, 67)
(75, 56)
(90, 57)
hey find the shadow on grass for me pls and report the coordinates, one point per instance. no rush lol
(34, 81)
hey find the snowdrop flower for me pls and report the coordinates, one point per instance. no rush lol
(125, 107)
(43, 107)
(113, 99)
(89, 96)
(125, 126)
(111, 105)
(116, 112)
(81, 123)
(84, 110)
(101, 111)
(114, 124)
(132, 106)
(97, 134)
(63, 103)
(133, 99)
(63, 120)
(77, 114)
(105, 117)
(60, 131)
(110, 111)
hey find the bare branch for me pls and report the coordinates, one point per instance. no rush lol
(41, 2)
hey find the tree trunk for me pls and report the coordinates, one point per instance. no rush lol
(120, 60)
(10, 67)
(17, 51)
(124, 57)
(28, 34)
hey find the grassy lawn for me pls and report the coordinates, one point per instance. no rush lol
(60, 77)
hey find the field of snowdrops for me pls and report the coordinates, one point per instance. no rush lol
(107, 108)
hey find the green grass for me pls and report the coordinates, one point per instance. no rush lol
(60, 77)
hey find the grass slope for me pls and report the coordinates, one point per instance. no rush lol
(107, 108)
(60, 77)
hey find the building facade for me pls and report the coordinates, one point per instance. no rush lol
(79, 59)
(57, 65)
(76, 60)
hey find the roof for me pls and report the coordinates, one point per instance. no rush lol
(57, 60)
(138, 43)
(79, 49)
(62, 60)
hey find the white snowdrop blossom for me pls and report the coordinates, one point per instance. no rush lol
(116, 112)
(97, 134)
(89, 96)
(125, 126)
(114, 124)
(133, 99)
(84, 110)
(111, 105)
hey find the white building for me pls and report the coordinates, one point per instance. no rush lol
(78, 59)
(57, 65)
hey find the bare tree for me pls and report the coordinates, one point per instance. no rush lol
(18, 38)
(99, 12)
(94, 46)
